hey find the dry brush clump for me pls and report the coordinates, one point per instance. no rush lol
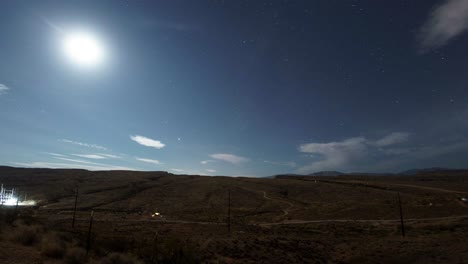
(120, 258)
(75, 255)
(53, 246)
(26, 235)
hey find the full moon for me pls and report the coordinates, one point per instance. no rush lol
(83, 49)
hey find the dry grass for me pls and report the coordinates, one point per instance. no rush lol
(120, 258)
(75, 255)
(53, 246)
(26, 235)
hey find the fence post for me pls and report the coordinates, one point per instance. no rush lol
(74, 210)
(229, 211)
(88, 242)
(401, 217)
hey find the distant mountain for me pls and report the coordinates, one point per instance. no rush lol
(371, 173)
(424, 170)
(319, 173)
(326, 173)
(283, 175)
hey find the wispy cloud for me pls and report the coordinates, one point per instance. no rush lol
(83, 144)
(391, 139)
(349, 153)
(189, 172)
(445, 22)
(287, 163)
(210, 170)
(89, 156)
(55, 154)
(148, 142)
(231, 158)
(109, 156)
(153, 161)
(86, 166)
(204, 162)
(3, 89)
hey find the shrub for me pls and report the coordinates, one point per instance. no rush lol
(176, 251)
(26, 235)
(119, 258)
(52, 246)
(75, 255)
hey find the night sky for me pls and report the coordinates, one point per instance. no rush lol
(251, 88)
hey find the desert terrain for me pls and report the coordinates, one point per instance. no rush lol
(158, 217)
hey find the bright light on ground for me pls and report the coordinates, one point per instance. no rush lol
(83, 49)
(11, 201)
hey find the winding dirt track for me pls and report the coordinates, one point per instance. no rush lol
(286, 210)
(426, 188)
(287, 222)
(291, 222)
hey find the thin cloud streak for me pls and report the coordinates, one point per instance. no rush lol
(53, 165)
(55, 154)
(152, 161)
(287, 163)
(89, 156)
(83, 144)
(231, 158)
(391, 139)
(109, 156)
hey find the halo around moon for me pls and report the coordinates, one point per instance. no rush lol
(83, 49)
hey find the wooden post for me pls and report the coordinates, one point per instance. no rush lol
(229, 211)
(74, 210)
(401, 217)
(88, 241)
(16, 207)
(155, 249)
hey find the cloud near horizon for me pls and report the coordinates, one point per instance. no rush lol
(148, 142)
(279, 163)
(231, 158)
(72, 164)
(445, 22)
(349, 153)
(152, 161)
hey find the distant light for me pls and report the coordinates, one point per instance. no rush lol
(155, 214)
(83, 49)
(11, 201)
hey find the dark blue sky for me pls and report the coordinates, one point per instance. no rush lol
(236, 87)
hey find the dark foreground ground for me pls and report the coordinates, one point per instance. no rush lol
(345, 219)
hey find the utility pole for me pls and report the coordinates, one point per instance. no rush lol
(88, 241)
(229, 211)
(74, 210)
(401, 217)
